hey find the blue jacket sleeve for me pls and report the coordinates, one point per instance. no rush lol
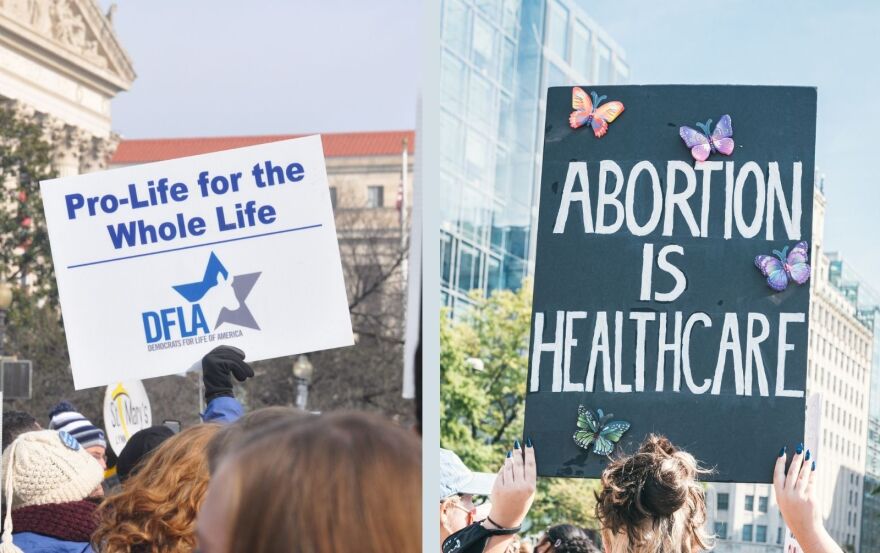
(223, 409)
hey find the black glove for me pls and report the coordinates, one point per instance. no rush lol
(218, 365)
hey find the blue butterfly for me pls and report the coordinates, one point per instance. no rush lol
(603, 436)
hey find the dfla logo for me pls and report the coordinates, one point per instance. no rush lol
(217, 297)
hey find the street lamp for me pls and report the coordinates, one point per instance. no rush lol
(5, 302)
(302, 375)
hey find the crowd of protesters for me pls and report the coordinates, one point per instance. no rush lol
(649, 502)
(283, 480)
(273, 480)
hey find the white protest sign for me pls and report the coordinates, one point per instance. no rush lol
(157, 264)
(126, 411)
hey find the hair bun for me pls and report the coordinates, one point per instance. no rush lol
(654, 483)
(668, 476)
(653, 497)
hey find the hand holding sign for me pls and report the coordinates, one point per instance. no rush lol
(796, 495)
(514, 489)
(218, 367)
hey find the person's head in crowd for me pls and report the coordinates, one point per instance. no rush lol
(16, 423)
(50, 478)
(157, 506)
(652, 501)
(565, 538)
(330, 483)
(138, 448)
(231, 437)
(64, 416)
(462, 492)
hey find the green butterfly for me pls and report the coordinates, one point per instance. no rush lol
(603, 436)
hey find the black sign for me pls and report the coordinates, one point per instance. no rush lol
(651, 313)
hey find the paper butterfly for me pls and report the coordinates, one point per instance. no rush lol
(702, 143)
(588, 112)
(786, 265)
(603, 436)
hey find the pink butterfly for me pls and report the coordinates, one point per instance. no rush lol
(587, 112)
(702, 144)
(786, 265)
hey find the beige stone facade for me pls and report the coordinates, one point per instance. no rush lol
(369, 186)
(61, 61)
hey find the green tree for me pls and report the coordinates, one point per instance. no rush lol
(34, 330)
(25, 160)
(483, 369)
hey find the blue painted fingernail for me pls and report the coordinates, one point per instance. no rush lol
(814, 465)
(509, 454)
(782, 451)
(528, 442)
(515, 444)
(800, 449)
(807, 457)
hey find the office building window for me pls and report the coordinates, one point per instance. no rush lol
(750, 503)
(557, 30)
(721, 530)
(481, 103)
(375, 196)
(723, 501)
(483, 45)
(762, 504)
(556, 76)
(445, 258)
(453, 76)
(779, 535)
(761, 533)
(468, 268)
(747, 532)
(455, 25)
(621, 72)
(508, 64)
(603, 69)
(582, 51)
(477, 156)
(333, 197)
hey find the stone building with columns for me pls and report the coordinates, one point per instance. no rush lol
(61, 62)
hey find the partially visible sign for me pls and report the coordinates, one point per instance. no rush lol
(16, 379)
(126, 411)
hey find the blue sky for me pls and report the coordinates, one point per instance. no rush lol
(832, 46)
(216, 67)
(219, 67)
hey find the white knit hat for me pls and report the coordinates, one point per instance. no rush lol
(49, 466)
(45, 466)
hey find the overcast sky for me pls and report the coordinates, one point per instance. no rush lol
(221, 67)
(832, 46)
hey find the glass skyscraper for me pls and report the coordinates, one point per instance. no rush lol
(497, 59)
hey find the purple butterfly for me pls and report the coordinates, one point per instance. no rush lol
(786, 265)
(702, 143)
